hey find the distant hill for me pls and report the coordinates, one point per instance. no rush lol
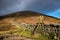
(29, 17)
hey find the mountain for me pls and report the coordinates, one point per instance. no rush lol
(29, 25)
(29, 17)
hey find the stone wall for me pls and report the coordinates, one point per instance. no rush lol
(53, 31)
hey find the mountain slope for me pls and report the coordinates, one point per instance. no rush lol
(29, 24)
(30, 17)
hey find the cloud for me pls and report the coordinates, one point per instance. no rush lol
(43, 6)
(20, 5)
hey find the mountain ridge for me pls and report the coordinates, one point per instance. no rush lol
(30, 17)
(28, 11)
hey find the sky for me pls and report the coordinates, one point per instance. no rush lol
(49, 7)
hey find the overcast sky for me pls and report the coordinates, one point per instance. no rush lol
(49, 7)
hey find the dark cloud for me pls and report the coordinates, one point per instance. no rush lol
(19, 5)
(44, 6)
(7, 3)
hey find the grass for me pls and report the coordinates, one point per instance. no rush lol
(41, 37)
(36, 36)
(6, 30)
(26, 33)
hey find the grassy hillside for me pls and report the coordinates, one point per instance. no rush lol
(30, 17)
(28, 24)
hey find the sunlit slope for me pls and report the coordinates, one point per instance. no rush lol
(30, 17)
(23, 23)
(27, 17)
